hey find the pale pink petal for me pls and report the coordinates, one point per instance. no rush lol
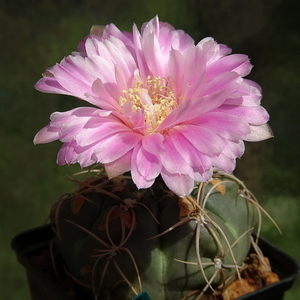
(119, 166)
(71, 129)
(134, 120)
(189, 72)
(259, 133)
(172, 160)
(50, 84)
(102, 97)
(116, 145)
(224, 124)
(224, 81)
(199, 162)
(88, 136)
(192, 110)
(67, 154)
(153, 55)
(148, 164)
(236, 62)
(140, 181)
(71, 153)
(125, 37)
(168, 37)
(180, 184)
(254, 115)
(60, 121)
(121, 56)
(233, 149)
(213, 51)
(46, 135)
(153, 143)
(145, 167)
(77, 86)
(203, 139)
(225, 164)
(141, 62)
(177, 68)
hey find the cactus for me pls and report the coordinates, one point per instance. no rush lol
(118, 241)
(170, 112)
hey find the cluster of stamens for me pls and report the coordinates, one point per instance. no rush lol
(153, 96)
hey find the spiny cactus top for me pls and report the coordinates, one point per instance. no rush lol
(118, 241)
(160, 105)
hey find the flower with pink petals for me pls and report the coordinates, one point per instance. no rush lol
(160, 105)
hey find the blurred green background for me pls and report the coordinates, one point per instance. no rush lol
(35, 34)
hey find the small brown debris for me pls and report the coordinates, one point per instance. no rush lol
(270, 277)
(237, 288)
(219, 185)
(86, 270)
(187, 206)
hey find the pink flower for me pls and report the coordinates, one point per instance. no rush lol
(161, 105)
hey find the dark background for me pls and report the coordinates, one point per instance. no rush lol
(35, 34)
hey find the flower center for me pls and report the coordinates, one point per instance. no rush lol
(154, 97)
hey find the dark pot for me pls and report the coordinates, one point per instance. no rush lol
(44, 286)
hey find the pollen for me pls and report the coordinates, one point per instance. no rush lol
(153, 97)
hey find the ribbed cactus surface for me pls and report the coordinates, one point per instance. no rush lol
(118, 241)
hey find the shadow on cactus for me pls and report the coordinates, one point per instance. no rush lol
(118, 241)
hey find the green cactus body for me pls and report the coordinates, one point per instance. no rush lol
(122, 241)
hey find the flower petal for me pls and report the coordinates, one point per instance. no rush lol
(119, 166)
(259, 133)
(49, 84)
(182, 185)
(145, 167)
(224, 124)
(203, 139)
(116, 145)
(200, 163)
(236, 62)
(46, 135)
(153, 143)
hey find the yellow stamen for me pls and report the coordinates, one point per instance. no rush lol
(154, 96)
